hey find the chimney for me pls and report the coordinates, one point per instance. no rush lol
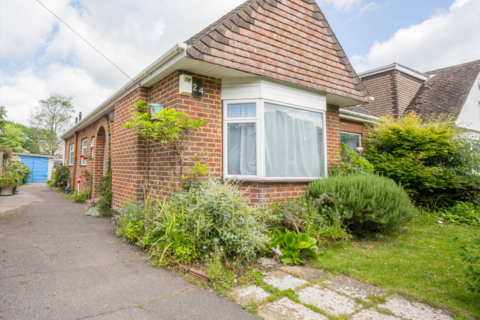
(79, 116)
(76, 120)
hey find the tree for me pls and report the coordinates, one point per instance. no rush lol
(50, 120)
(3, 116)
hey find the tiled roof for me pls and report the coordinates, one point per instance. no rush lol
(286, 40)
(446, 91)
(359, 109)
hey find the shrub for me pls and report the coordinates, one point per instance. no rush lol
(213, 214)
(462, 213)
(348, 162)
(431, 159)
(82, 196)
(7, 183)
(105, 190)
(62, 174)
(469, 255)
(303, 215)
(364, 203)
(130, 221)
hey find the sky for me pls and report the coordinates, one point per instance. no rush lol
(40, 56)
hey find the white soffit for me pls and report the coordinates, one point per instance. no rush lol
(261, 88)
(395, 66)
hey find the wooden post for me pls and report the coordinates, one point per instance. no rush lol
(1, 164)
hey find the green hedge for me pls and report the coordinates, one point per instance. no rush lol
(365, 203)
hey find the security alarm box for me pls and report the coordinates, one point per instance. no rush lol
(186, 84)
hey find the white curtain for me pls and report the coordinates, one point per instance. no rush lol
(242, 149)
(241, 110)
(293, 142)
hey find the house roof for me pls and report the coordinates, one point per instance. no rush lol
(286, 40)
(446, 90)
(395, 66)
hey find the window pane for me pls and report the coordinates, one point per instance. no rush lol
(242, 149)
(293, 142)
(243, 110)
(351, 140)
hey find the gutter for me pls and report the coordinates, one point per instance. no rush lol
(127, 89)
(350, 115)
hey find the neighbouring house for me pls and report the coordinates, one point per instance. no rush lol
(454, 91)
(276, 83)
(41, 166)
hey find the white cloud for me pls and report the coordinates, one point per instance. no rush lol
(41, 56)
(341, 4)
(445, 39)
(369, 7)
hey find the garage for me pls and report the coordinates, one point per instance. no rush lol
(40, 165)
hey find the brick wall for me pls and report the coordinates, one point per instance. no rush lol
(129, 150)
(407, 87)
(393, 91)
(101, 125)
(354, 127)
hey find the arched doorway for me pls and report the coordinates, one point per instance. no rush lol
(100, 157)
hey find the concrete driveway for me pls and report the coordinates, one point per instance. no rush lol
(56, 263)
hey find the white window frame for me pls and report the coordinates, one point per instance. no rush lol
(72, 155)
(84, 151)
(354, 133)
(92, 146)
(260, 121)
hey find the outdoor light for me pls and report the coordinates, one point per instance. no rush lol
(154, 108)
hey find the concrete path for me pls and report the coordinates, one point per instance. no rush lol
(57, 264)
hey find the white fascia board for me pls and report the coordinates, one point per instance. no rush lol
(394, 66)
(177, 49)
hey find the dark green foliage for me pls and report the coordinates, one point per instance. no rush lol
(365, 203)
(62, 174)
(469, 255)
(105, 188)
(462, 213)
(431, 159)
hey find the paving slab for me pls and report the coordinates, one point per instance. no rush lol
(413, 310)
(305, 273)
(328, 300)
(245, 296)
(283, 281)
(370, 314)
(353, 288)
(286, 309)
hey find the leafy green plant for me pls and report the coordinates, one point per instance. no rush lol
(105, 190)
(82, 196)
(348, 162)
(172, 128)
(432, 159)
(469, 254)
(62, 175)
(365, 203)
(51, 184)
(130, 222)
(7, 183)
(462, 213)
(294, 246)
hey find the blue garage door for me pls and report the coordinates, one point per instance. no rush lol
(39, 167)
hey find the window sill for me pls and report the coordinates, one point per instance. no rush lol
(271, 180)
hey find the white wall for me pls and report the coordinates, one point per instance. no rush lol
(470, 115)
(50, 168)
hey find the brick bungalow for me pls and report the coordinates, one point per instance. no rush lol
(277, 85)
(455, 91)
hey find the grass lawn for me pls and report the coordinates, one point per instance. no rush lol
(415, 263)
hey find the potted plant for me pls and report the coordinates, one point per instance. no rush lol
(60, 185)
(6, 186)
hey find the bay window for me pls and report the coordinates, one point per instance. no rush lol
(272, 141)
